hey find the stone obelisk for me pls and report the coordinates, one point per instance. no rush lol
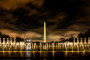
(44, 32)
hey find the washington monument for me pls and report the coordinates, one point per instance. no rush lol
(44, 32)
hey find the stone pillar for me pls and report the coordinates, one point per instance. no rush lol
(14, 41)
(30, 44)
(58, 46)
(14, 44)
(84, 40)
(0, 40)
(40, 46)
(34, 45)
(89, 40)
(7, 41)
(53, 46)
(11, 41)
(77, 40)
(74, 41)
(47, 45)
(3, 40)
(81, 41)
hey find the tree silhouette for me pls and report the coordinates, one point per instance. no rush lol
(87, 34)
(81, 35)
(18, 39)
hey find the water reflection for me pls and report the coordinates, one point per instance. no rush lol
(43, 54)
(65, 54)
(28, 54)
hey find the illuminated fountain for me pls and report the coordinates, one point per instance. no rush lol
(12, 45)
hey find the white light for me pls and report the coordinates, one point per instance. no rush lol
(70, 43)
(28, 40)
(21, 43)
(17, 44)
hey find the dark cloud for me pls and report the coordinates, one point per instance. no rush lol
(64, 18)
(11, 5)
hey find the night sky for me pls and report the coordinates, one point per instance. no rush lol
(25, 18)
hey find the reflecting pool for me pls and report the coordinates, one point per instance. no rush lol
(10, 55)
